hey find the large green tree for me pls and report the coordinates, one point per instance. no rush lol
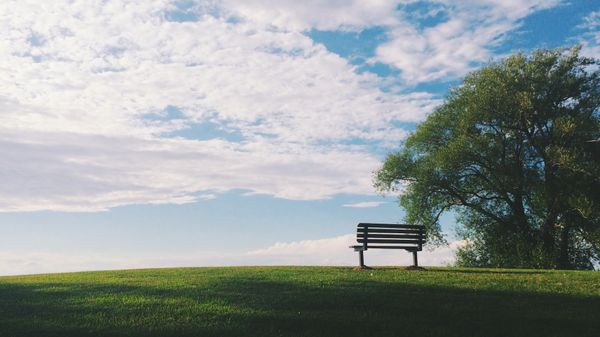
(513, 152)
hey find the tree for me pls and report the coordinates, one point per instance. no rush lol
(513, 152)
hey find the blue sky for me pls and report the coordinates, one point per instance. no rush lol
(229, 132)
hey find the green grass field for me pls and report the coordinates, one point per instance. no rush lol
(302, 301)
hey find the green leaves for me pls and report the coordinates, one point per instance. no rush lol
(508, 151)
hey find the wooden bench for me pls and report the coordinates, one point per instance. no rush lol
(388, 236)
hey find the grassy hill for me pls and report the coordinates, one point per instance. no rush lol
(302, 301)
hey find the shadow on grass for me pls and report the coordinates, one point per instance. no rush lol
(489, 271)
(254, 306)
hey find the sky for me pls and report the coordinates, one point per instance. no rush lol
(159, 133)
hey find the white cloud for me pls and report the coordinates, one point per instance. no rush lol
(336, 251)
(318, 14)
(365, 204)
(324, 252)
(330, 251)
(590, 39)
(75, 172)
(18, 263)
(448, 49)
(84, 88)
(456, 44)
(591, 21)
(451, 48)
(78, 82)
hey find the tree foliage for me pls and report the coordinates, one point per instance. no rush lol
(513, 151)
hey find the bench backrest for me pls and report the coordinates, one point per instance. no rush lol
(390, 236)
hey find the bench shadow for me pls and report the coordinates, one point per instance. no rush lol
(255, 306)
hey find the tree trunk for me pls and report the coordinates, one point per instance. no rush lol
(520, 216)
(548, 238)
(563, 254)
(548, 244)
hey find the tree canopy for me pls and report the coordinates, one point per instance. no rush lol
(514, 152)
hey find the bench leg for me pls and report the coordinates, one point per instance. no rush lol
(415, 262)
(361, 259)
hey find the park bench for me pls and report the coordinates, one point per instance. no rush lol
(388, 236)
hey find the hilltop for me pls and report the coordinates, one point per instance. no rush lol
(302, 301)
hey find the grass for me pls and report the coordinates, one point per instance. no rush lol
(302, 301)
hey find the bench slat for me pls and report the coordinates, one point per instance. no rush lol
(389, 236)
(389, 241)
(410, 248)
(382, 225)
(381, 230)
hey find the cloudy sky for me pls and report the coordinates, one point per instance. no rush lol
(230, 132)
